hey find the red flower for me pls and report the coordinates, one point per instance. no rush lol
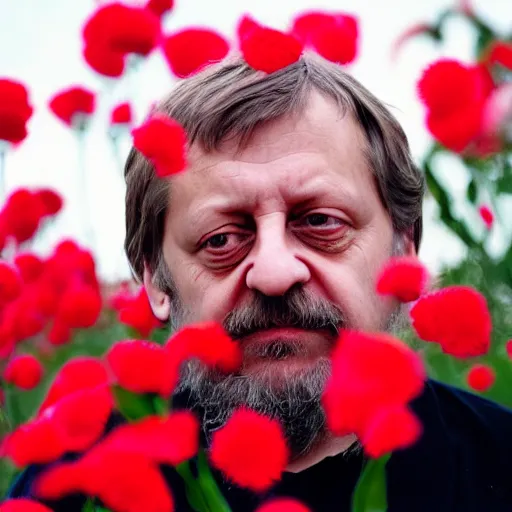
(142, 367)
(30, 266)
(266, 49)
(80, 306)
(191, 49)
(122, 297)
(159, 7)
(404, 277)
(72, 102)
(104, 61)
(15, 111)
(22, 319)
(24, 371)
(22, 505)
(481, 377)
(137, 313)
(22, 214)
(60, 333)
(52, 200)
(10, 284)
(121, 114)
(122, 29)
(207, 342)
(372, 375)
(508, 348)
(486, 215)
(122, 481)
(500, 52)
(250, 450)
(454, 95)
(77, 374)
(163, 141)
(282, 505)
(81, 417)
(333, 36)
(382, 435)
(35, 442)
(457, 318)
(170, 440)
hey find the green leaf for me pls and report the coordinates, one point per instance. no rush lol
(193, 491)
(471, 192)
(370, 491)
(132, 405)
(504, 184)
(89, 506)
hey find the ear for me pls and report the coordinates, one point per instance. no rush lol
(159, 301)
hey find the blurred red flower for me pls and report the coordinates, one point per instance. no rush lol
(455, 96)
(80, 306)
(30, 266)
(23, 505)
(500, 52)
(51, 199)
(162, 141)
(282, 505)
(189, 50)
(207, 342)
(24, 371)
(121, 114)
(250, 449)
(135, 311)
(122, 29)
(122, 481)
(508, 348)
(142, 367)
(15, 111)
(73, 103)
(164, 440)
(486, 215)
(403, 277)
(59, 333)
(481, 377)
(373, 377)
(104, 61)
(332, 35)
(159, 7)
(266, 49)
(22, 214)
(457, 318)
(75, 375)
(10, 284)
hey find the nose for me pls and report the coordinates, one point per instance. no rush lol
(275, 267)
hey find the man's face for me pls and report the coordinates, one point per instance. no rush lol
(280, 241)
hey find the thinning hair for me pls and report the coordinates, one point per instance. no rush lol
(228, 101)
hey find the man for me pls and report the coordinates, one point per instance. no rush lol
(300, 186)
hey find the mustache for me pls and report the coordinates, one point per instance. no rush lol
(297, 308)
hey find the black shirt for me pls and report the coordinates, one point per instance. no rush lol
(463, 462)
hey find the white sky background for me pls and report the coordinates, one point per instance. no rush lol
(40, 45)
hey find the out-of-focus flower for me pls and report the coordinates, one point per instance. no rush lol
(373, 378)
(51, 199)
(481, 377)
(334, 36)
(136, 312)
(23, 505)
(508, 348)
(403, 277)
(162, 141)
(142, 367)
(497, 115)
(15, 111)
(457, 318)
(24, 371)
(59, 333)
(500, 52)
(73, 105)
(190, 50)
(266, 49)
(159, 7)
(30, 266)
(250, 449)
(105, 62)
(10, 284)
(121, 114)
(455, 96)
(486, 215)
(282, 505)
(80, 306)
(209, 343)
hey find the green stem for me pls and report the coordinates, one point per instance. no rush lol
(370, 493)
(194, 492)
(209, 486)
(161, 406)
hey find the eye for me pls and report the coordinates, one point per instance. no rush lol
(217, 241)
(321, 220)
(221, 243)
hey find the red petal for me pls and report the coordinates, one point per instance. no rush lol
(24, 371)
(69, 102)
(481, 377)
(121, 114)
(282, 505)
(22, 505)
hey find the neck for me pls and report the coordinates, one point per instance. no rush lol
(328, 447)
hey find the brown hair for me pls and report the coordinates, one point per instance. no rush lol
(230, 99)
